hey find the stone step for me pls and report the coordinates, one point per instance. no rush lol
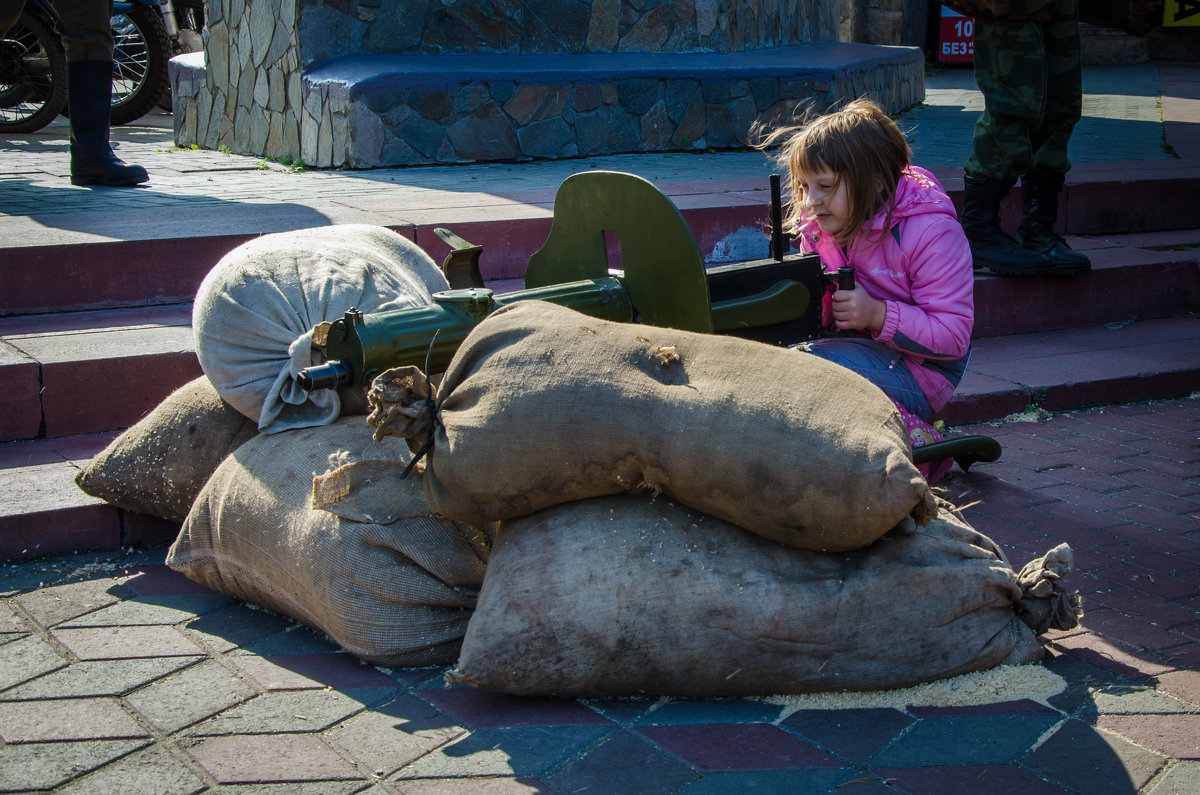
(82, 266)
(378, 109)
(81, 372)
(73, 373)
(1056, 370)
(1101, 45)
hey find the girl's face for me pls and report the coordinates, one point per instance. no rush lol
(826, 198)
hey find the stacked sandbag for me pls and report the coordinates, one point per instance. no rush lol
(636, 596)
(300, 523)
(254, 313)
(543, 405)
(160, 464)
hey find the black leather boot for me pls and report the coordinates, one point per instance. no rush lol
(991, 247)
(1039, 194)
(89, 96)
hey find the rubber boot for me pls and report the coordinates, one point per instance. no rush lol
(1039, 195)
(89, 96)
(991, 247)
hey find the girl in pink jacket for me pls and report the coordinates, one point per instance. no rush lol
(856, 200)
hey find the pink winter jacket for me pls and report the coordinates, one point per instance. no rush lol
(922, 269)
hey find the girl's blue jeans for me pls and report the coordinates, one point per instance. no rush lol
(876, 362)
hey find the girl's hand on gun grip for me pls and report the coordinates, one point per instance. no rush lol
(855, 309)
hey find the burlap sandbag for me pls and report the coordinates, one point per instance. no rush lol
(159, 465)
(379, 572)
(626, 595)
(256, 309)
(543, 405)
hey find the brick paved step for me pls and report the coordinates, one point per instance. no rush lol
(42, 511)
(82, 372)
(1057, 370)
(123, 256)
(53, 367)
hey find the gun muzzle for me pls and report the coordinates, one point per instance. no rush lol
(334, 374)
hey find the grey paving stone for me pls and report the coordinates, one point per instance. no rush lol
(1134, 700)
(235, 627)
(1082, 679)
(300, 788)
(159, 609)
(471, 786)
(1181, 779)
(66, 719)
(480, 709)
(97, 678)
(296, 639)
(310, 671)
(421, 678)
(1084, 759)
(150, 771)
(27, 658)
(965, 740)
(125, 643)
(151, 580)
(35, 766)
(189, 696)
(22, 576)
(389, 737)
(505, 752)
(51, 606)
(10, 621)
(299, 711)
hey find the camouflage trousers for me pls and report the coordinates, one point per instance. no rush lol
(1029, 74)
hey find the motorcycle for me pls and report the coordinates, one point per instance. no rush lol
(146, 34)
(33, 71)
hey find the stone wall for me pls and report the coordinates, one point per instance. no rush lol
(330, 28)
(364, 83)
(244, 91)
(383, 120)
(886, 22)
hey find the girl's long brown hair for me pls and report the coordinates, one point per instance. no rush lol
(861, 146)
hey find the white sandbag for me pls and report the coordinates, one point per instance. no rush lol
(255, 311)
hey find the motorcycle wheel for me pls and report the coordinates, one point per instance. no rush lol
(33, 76)
(141, 50)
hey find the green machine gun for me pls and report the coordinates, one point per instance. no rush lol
(620, 250)
(659, 278)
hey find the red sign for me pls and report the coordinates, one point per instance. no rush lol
(956, 39)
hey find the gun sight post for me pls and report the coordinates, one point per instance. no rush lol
(776, 219)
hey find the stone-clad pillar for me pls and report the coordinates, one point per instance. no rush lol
(249, 96)
(365, 83)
